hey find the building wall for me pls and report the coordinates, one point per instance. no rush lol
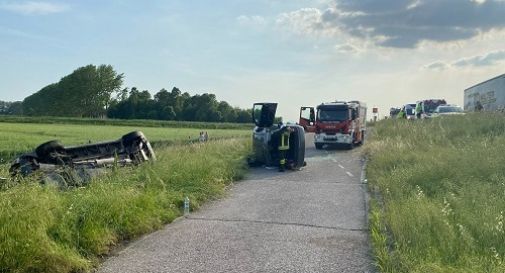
(489, 96)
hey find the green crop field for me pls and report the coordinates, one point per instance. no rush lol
(438, 189)
(22, 137)
(125, 122)
(46, 229)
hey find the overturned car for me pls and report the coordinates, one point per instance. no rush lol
(74, 166)
(276, 145)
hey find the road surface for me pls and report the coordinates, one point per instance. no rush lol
(312, 220)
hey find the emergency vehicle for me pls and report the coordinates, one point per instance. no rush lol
(335, 123)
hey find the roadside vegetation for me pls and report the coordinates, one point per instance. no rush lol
(44, 229)
(438, 190)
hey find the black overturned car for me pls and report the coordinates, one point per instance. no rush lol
(75, 166)
(267, 138)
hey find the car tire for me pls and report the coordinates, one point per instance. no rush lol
(24, 166)
(131, 138)
(138, 147)
(150, 150)
(46, 151)
(319, 146)
(297, 140)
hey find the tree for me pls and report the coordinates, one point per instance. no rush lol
(10, 108)
(87, 91)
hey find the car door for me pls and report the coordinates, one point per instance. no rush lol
(264, 114)
(263, 118)
(307, 119)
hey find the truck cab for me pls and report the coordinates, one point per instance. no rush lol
(335, 123)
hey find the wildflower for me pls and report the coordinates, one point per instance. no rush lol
(447, 210)
(419, 192)
(499, 224)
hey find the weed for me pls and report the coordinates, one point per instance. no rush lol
(443, 194)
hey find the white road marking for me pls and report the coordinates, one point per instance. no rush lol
(334, 160)
(349, 174)
(341, 167)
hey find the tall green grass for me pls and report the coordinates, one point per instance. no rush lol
(439, 194)
(43, 229)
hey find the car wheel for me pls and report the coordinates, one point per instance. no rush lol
(50, 151)
(150, 151)
(132, 137)
(297, 143)
(319, 146)
(24, 166)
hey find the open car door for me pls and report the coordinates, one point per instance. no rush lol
(308, 119)
(264, 114)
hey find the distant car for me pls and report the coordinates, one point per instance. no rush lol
(428, 107)
(410, 110)
(448, 109)
(393, 112)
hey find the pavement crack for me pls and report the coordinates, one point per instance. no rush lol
(276, 223)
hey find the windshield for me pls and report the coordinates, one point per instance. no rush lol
(333, 114)
(449, 109)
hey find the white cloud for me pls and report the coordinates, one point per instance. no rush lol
(401, 23)
(302, 21)
(347, 49)
(437, 66)
(254, 20)
(488, 59)
(485, 60)
(34, 7)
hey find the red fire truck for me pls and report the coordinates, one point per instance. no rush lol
(335, 123)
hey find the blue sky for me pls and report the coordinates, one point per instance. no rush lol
(297, 52)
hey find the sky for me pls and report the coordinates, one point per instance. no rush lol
(294, 52)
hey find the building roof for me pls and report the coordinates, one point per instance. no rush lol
(502, 75)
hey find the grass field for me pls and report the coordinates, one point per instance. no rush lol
(125, 122)
(438, 190)
(44, 229)
(22, 137)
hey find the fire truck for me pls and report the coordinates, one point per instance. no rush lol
(335, 123)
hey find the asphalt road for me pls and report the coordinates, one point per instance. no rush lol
(313, 220)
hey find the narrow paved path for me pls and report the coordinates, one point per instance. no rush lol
(313, 220)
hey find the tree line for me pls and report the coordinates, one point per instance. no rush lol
(96, 91)
(11, 108)
(174, 105)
